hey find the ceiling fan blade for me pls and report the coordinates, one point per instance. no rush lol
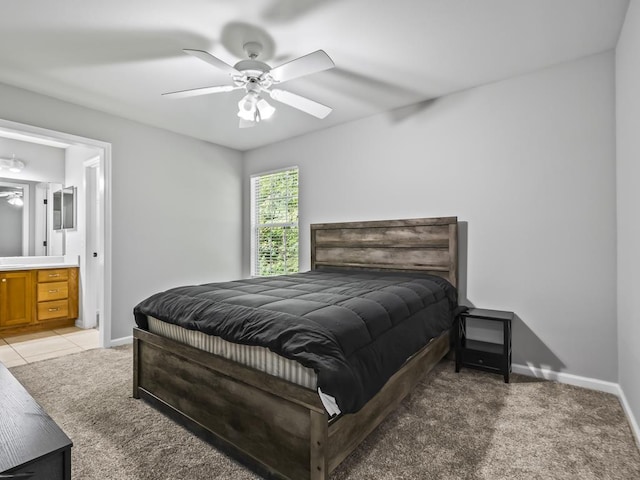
(301, 103)
(211, 60)
(311, 63)
(194, 92)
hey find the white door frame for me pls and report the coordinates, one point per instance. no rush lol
(93, 269)
(41, 220)
(105, 193)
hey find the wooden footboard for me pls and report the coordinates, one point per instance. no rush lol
(275, 427)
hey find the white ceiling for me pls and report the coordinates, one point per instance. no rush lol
(119, 56)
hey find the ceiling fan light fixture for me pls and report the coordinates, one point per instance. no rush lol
(266, 110)
(248, 115)
(15, 200)
(252, 109)
(247, 107)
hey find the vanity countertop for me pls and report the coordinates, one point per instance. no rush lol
(32, 263)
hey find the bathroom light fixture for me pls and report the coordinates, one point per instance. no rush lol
(12, 164)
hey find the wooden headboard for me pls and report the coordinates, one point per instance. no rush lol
(428, 245)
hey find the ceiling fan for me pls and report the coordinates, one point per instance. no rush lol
(258, 78)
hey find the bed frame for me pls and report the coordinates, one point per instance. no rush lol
(277, 428)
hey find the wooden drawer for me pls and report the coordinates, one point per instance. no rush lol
(51, 310)
(52, 291)
(53, 275)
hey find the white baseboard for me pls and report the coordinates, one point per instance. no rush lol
(80, 324)
(568, 378)
(586, 382)
(116, 342)
(632, 419)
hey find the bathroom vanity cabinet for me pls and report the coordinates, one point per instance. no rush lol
(16, 299)
(38, 299)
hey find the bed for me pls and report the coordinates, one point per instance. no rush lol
(279, 428)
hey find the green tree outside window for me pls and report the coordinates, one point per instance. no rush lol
(275, 223)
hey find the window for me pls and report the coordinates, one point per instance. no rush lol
(274, 223)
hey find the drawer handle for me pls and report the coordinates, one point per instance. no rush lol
(54, 309)
(54, 275)
(24, 475)
(53, 291)
(480, 360)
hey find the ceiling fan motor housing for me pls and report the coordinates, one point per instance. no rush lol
(254, 72)
(252, 67)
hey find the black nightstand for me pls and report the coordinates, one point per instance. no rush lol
(490, 357)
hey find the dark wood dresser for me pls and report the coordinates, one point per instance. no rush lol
(32, 446)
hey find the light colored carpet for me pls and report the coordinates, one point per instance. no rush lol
(453, 426)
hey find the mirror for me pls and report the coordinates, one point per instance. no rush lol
(28, 229)
(14, 218)
(64, 208)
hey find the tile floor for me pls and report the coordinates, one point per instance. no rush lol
(32, 347)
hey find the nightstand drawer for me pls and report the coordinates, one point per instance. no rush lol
(52, 291)
(55, 309)
(478, 358)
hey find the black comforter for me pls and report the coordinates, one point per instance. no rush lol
(354, 329)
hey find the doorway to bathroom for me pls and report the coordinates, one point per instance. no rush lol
(87, 167)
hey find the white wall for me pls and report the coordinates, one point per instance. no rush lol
(628, 169)
(176, 203)
(527, 164)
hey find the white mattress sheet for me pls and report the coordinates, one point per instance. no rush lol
(260, 358)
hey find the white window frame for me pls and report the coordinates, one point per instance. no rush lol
(255, 226)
